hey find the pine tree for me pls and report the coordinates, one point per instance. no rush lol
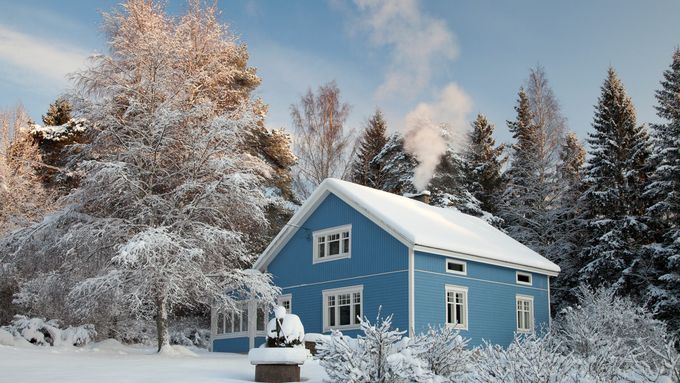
(613, 203)
(371, 143)
(397, 166)
(664, 191)
(58, 113)
(567, 230)
(483, 165)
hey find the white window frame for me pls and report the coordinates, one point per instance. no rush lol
(531, 278)
(339, 291)
(524, 298)
(464, 291)
(463, 263)
(286, 298)
(249, 307)
(325, 233)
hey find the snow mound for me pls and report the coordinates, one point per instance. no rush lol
(176, 350)
(109, 345)
(6, 339)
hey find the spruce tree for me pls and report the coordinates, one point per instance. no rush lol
(58, 113)
(397, 166)
(483, 165)
(567, 230)
(615, 175)
(523, 205)
(370, 144)
(664, 191)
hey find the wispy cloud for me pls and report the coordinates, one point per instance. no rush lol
(33, 59)
(416, 42)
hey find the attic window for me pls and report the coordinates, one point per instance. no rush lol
(456, 267)
(331, 244)
(524, 278)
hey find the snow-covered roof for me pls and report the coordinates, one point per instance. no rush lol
(424, 227)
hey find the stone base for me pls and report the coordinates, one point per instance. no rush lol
(277, 373)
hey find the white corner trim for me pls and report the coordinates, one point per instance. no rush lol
(531, 278)
(549, 309)
(411, 292)
(476, 258)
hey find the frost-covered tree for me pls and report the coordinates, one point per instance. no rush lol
(616, 174)
(444, 352)
(371, 142)
(58, 113)
(664, 192)
(397, 165)
(171, 192)
(484, 160)
(322, 142)
(23, 199)
(567, 230)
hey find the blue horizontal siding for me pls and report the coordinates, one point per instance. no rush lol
(373, 249)
(491, 298)
(239, 345)
(387, 293)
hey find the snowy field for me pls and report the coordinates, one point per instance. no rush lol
(110, 361)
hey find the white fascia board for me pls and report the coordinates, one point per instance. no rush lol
(476, 258)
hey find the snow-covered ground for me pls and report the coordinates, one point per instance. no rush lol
(109, 361)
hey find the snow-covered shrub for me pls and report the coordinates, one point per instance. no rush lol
(42, 333)
(529, 358)
(190, 331)
(381, 355)
(609, 334)
(444, 351)
(284, 330)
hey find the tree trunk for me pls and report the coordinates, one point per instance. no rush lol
(162, 323)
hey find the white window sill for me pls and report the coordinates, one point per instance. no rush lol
(524, 331)
(331, 258)
(341, 328)
(457, 326)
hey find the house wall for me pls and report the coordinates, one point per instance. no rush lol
(491, 298)
(378, 262)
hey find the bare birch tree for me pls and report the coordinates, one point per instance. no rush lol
(322, 143)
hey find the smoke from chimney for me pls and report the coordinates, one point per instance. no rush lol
(431, 127)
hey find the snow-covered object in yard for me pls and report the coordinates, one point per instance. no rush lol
(278, 355)
(6, 338)
(421, 225)
(42, 333)
(292, 331)
(279, 312)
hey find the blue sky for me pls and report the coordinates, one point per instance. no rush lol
(451, 59)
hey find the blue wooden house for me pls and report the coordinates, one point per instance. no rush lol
(351, 250)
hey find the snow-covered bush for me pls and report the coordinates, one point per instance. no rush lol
(284, 330)
(530, 358)
(609, 334)
(381, 355)
(42, 333)
(444, 351)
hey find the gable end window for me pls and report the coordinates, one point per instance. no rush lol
(456, 267)
(525, 313)
(333, 243)
(342, 308)
(457, 307)
(523, 278)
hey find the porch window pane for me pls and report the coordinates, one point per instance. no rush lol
(244, 321)
(237, 322)
(220, 323)
(260, 319)
(227, 322)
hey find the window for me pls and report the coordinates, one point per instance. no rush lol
(456, 307)
(342, 308)
(332, 243)
(525, 313)
(456, 267)
(286, 301)
(523, 278)
(233, 321)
